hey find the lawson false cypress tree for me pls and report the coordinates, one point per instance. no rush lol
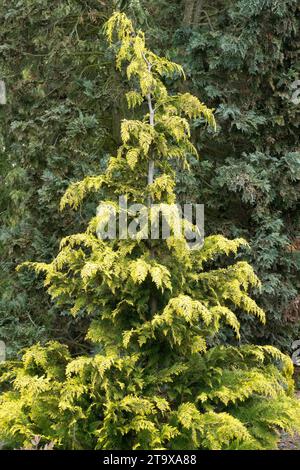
(155, 378)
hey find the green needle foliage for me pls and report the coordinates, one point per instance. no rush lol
(155, 377)
(56, 127)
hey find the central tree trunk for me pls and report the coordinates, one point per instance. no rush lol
(192, 12)
(151, 168)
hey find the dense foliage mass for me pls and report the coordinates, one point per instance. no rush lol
(61, 120)
(55, 127)
(155, 376)
(242, 58)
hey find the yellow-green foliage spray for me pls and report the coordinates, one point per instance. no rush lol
(157, 377)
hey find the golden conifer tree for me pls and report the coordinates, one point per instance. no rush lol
(157, 376)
